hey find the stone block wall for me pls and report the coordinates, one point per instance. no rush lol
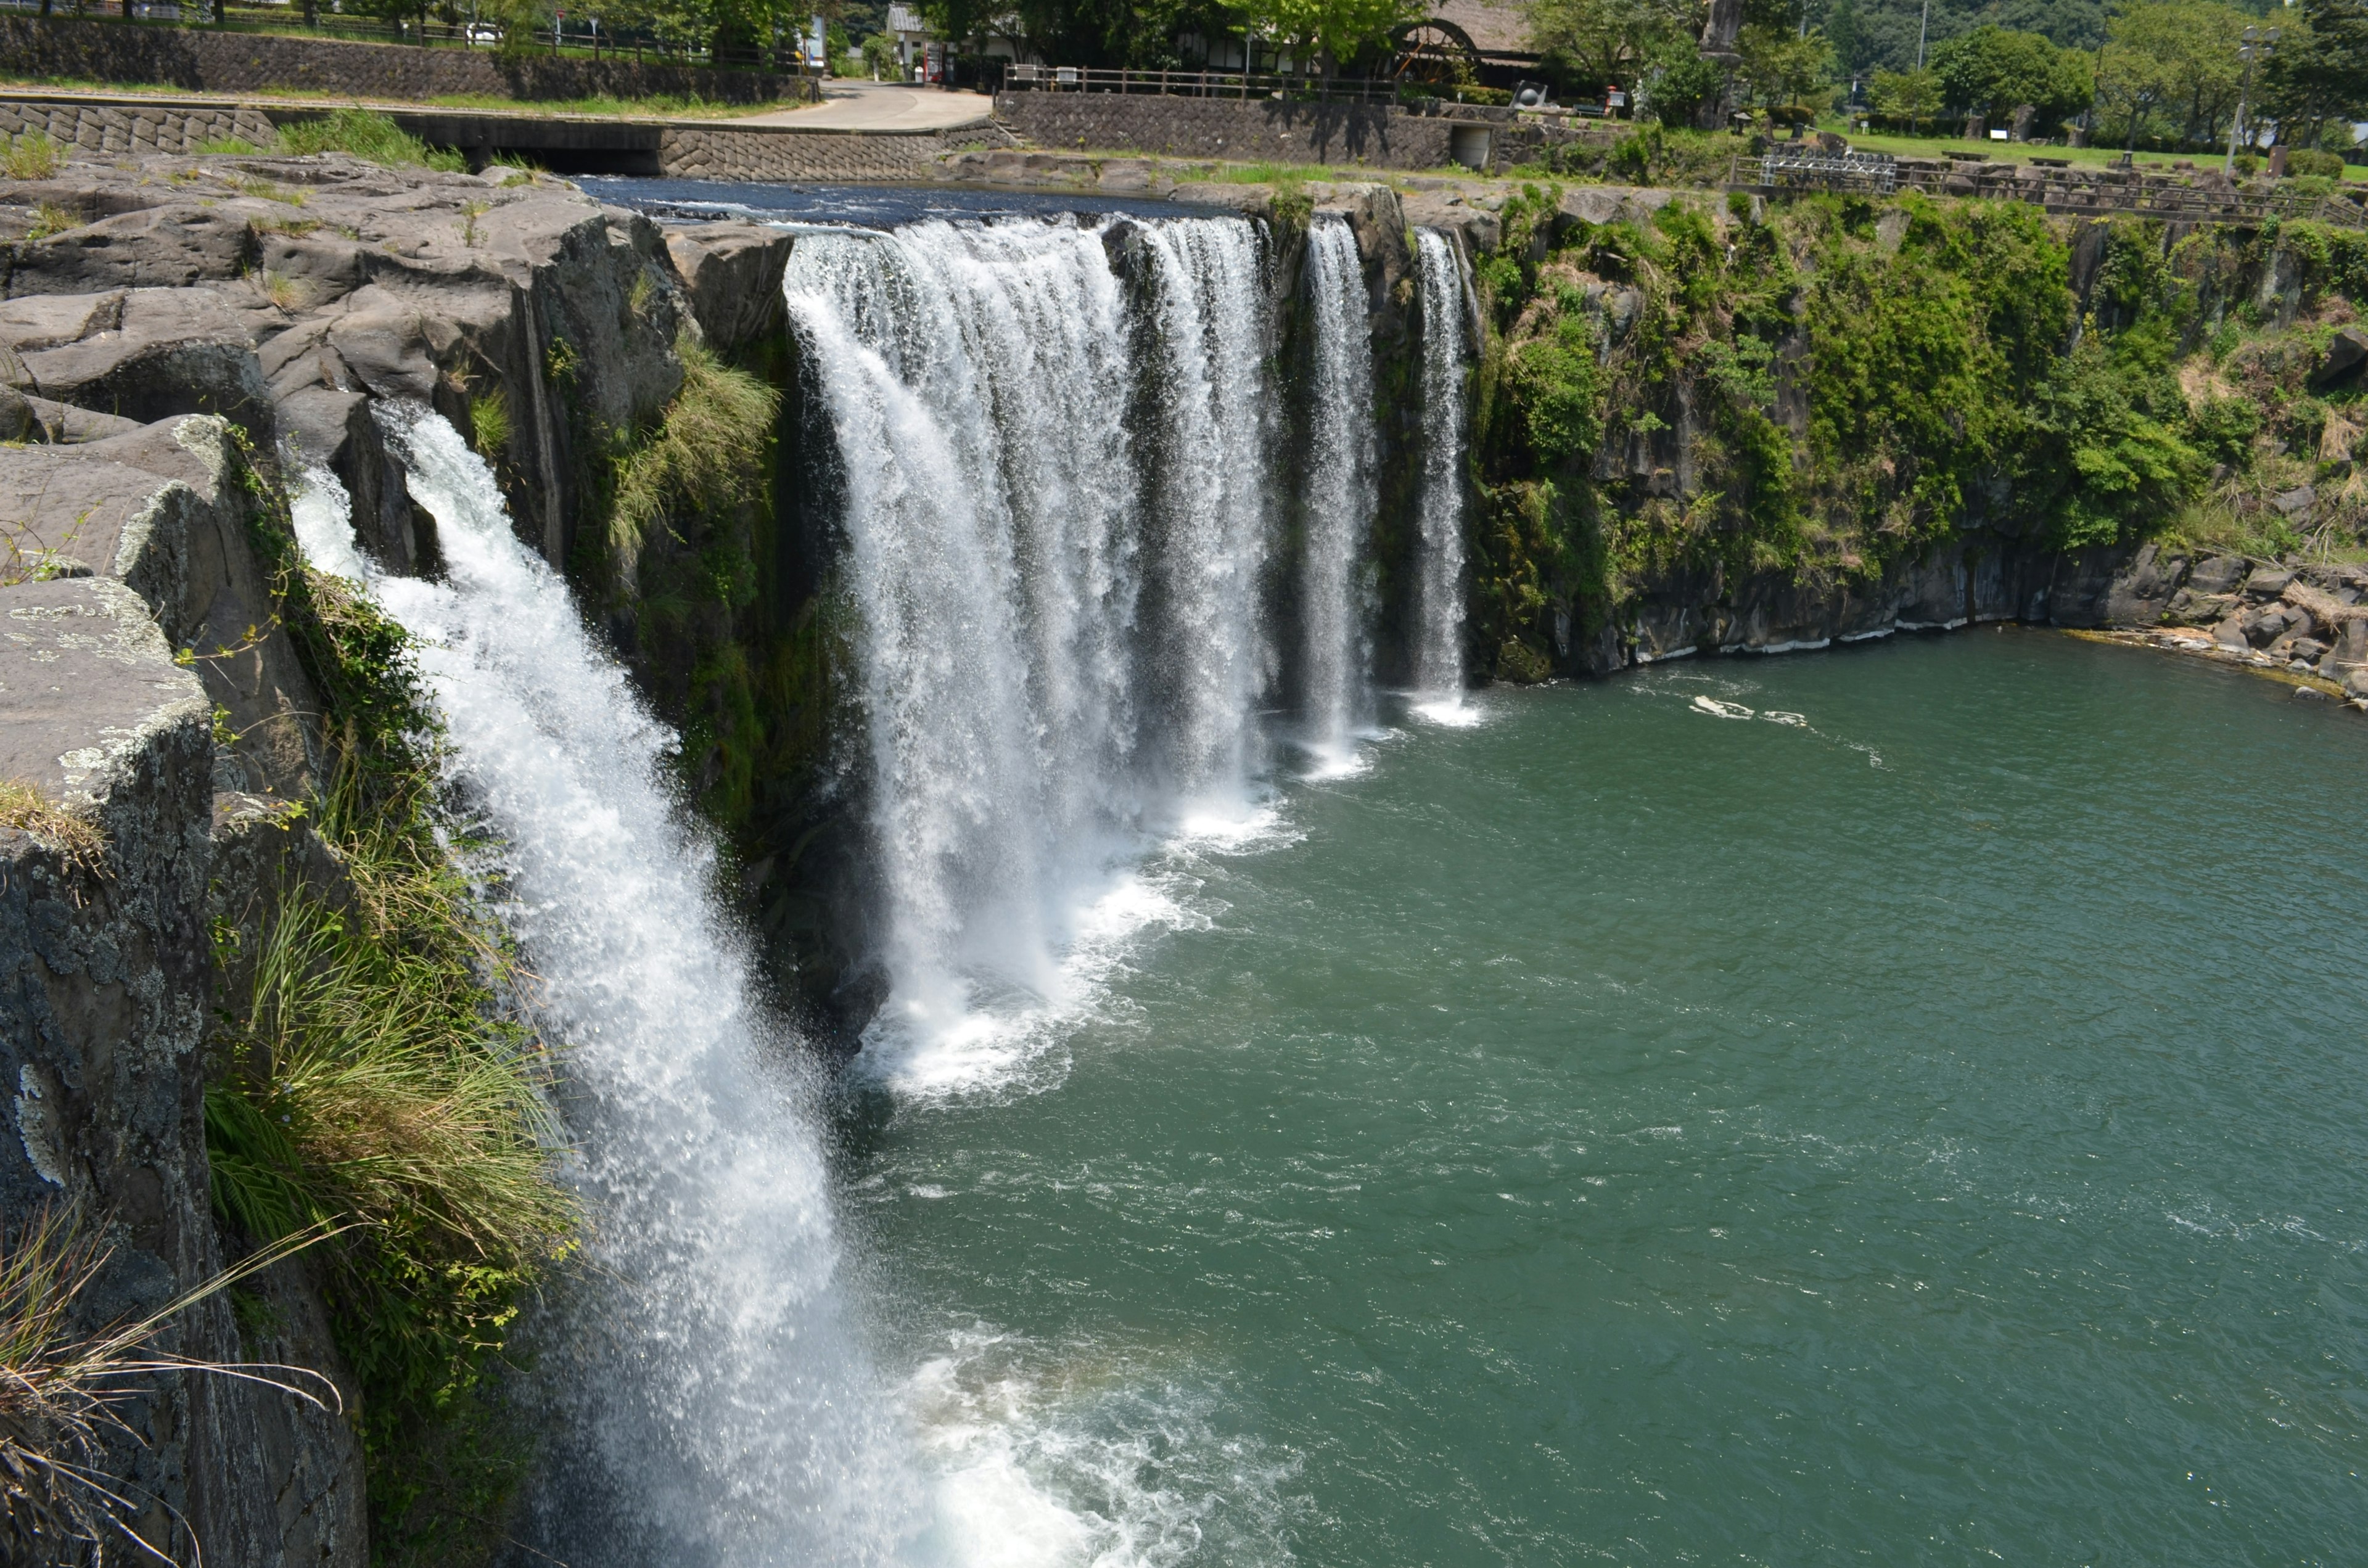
(96, 128)
(700, 151)
(1258, 130)
(200, 61)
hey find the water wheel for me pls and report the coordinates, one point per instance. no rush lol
(1434, 51)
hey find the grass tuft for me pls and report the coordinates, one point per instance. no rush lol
(28, 810)
(49, 219)
(369, 135)
(63, 1392)
(227, 147)
(702, 453)
(32, 155)
(489, 423)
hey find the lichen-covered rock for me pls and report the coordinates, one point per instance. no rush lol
(103, 978)
(162, 508)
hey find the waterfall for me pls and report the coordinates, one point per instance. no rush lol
(1341, 487)
(1055, 585)
(1439, 611)
(711, 1404)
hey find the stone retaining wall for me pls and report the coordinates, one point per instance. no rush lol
(700, 151)
(98, 128)
(199, 61)
(1258, 129)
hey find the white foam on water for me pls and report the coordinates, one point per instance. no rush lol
(1086, 1461)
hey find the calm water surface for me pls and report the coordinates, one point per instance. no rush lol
(1933, 1131)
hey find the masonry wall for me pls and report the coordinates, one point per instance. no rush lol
(141, 54)
(1258, 129)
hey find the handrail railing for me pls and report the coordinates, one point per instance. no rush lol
(788, 59)
(2140, 194)
(1201, 84)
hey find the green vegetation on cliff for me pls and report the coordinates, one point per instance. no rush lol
(370, 1077)
(1821, 390)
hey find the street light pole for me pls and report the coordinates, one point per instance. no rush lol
(2255, 42)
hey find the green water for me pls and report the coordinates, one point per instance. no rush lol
(1932, 1133)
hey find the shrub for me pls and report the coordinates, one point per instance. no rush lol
(367, 135)
(31, 156)
(1553, 384)
(2223, 428)
(2306, 162)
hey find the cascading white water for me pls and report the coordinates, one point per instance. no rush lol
(711, 1405)
(1212, 448)
(1341, 487)
(1054, 659)
(1439, 577)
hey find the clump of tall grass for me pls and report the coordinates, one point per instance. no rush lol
(75, 838)
(369, 135)
(368, 1071)
(374, 1082)
(32, 155)
(489, 423)
(62, 1392)
(707, 450)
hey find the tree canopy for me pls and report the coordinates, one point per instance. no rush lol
(1991, 71)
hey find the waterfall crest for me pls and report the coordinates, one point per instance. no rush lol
(1341, 494)
(1438, 614)
(714, 1406)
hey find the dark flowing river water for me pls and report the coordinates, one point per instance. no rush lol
(1928, 1127)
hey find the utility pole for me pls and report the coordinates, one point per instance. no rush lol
(1921, 26)
(2256, 43)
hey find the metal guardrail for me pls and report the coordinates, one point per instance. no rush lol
(1201, 84)
(1877, 174)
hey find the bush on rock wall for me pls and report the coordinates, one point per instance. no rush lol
(1813, 393)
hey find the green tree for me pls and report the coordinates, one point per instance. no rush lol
(2176, 60)
(1338, 30)
(1782, 65)
(1991, 72)
(1911, 96)
(1596, 42)
(2319, 72)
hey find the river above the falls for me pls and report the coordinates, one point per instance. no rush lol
(1923, 1121)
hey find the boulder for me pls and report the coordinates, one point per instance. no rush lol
(733, 275)
(163, 510)
(2346, 352)
(2295, 503)
(2267, 583)
(2218, 573)
(145, 354)
(2141, 592)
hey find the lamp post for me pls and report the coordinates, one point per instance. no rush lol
(2256, 43)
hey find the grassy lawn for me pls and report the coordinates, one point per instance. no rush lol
(2018, 153)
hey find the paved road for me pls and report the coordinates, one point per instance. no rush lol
(882, 105)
